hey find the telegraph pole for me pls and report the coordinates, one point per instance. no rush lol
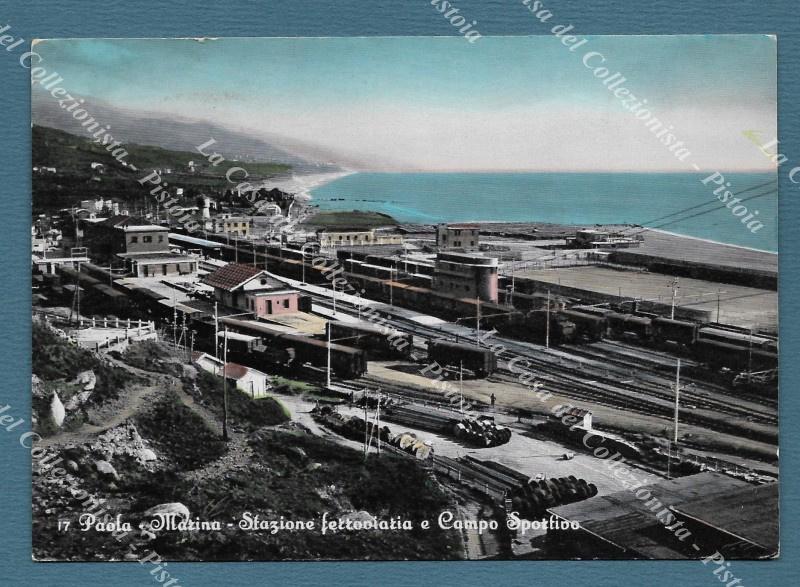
(675, 288)
(478, 319)
(328, 372)
(677, 395)
(225, 387)
(461, 385)
(547, 323)
(216, 332)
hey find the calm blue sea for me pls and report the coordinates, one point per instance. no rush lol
(570, 198)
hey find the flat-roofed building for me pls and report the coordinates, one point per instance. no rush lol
(356, 238)
(233, 225)
(458, 236)
(466, 276)
(716, 511)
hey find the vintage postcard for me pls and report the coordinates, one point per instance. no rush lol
(405, 298)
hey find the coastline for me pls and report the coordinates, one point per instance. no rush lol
(708, 240)
(303, 185)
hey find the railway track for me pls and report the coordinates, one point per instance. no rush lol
(596, 383)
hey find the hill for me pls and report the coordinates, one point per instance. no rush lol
(74, 178)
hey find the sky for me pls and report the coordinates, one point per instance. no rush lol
(445, 104)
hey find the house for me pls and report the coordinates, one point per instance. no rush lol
(353, 238)
(234, 225)
(252, 290)
(457, 236)
(246, 379)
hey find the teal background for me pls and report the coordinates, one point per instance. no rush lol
(111, 18)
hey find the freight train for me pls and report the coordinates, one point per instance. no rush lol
(372, 339)
(481, 361)
(346, 362)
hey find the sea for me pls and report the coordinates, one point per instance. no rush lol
(673, 202)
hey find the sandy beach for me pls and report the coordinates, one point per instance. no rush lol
(302, 185)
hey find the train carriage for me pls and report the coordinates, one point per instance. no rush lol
(479, 360)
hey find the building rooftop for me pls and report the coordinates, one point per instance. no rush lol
(627, 523)
(750, 513)
(144, 228)
(234, 275)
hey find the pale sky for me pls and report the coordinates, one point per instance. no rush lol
(443, 104)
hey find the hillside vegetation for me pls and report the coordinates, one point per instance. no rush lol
(74, 179)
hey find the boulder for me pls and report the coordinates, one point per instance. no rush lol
(87, 379)
(106, 468)
(57, 410)
(37, 387)
(361, 516)
(145, 455)
(167, 509)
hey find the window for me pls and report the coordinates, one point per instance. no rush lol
(161, 238)
(286, 303)
(134, 239)
(147, 239)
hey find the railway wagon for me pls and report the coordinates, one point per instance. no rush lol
(71, 275)
(107, 300)
(346, 362)
(737, 337)
(372, 339)
(534, 327)
(735, 357)
(678, 331)
(622, 324)
(479, 360)
(588, 326)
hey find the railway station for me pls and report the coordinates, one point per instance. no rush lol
(486, 370)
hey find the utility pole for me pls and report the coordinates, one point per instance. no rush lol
(391, 287)
(461, 385)
(677, 395)
(717, 305)
(675, 288)
(333, 285)
(225, 387)
(547, 323)
(478, 319)
(216, 332)
(328, 372)
(366, 427)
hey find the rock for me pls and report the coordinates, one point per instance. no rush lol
(87, 379)
(313, 466)
(146, 455)
(71, 466)
(360, 516)
(129, 556)
(57, 410)
(105, 468)
(37, 387)
(77, 400)
(299, 452)
(174, 508)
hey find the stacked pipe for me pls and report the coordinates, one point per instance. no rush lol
(351, 427)
(535, 497)
(481, 431)
(408, 442)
